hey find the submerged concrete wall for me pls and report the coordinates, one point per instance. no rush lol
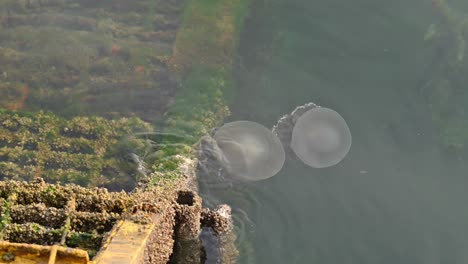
(199, 65)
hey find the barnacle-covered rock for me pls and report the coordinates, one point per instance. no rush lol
(40, 213)
(82, 150)
(31, 233)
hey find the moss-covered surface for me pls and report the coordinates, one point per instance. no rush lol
(82, 59)
(82, 150)
(202, 62)
(208, 35)
(87, 57)
(445, 88)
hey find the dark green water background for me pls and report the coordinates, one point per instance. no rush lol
(397, 197)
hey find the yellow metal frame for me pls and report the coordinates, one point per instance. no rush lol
(125, 245)
(19, 253)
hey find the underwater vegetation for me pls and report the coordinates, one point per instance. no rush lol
(445, 88)
(126, 59)
(83, 57)
(209, 35)
(141, 58)
(78, 58)
(202, 62)
(82, 150)
(80, 76)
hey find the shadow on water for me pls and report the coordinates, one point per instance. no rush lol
(397, 197)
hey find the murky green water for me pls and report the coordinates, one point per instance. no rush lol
(399, 196)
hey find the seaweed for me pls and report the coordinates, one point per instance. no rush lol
(202, 62)
(81, 150)
(444, 89)
(79, 57)
(65, 56)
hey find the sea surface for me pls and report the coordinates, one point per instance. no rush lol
(398, 196)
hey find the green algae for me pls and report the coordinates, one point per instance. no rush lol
(80, 150)
(202, 104)
(88, 58)
(72, 55)
(444, 89)
(5, 215)
(73, 67)
(202, 61)
(208, 35)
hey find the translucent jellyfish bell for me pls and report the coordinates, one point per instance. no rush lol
(321, 137)
(250, 150)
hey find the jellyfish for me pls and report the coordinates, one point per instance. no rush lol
(249, 150)
(320, 137)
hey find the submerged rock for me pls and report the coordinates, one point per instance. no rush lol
(284, 127)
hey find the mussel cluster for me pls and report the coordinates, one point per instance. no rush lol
(37, 212)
